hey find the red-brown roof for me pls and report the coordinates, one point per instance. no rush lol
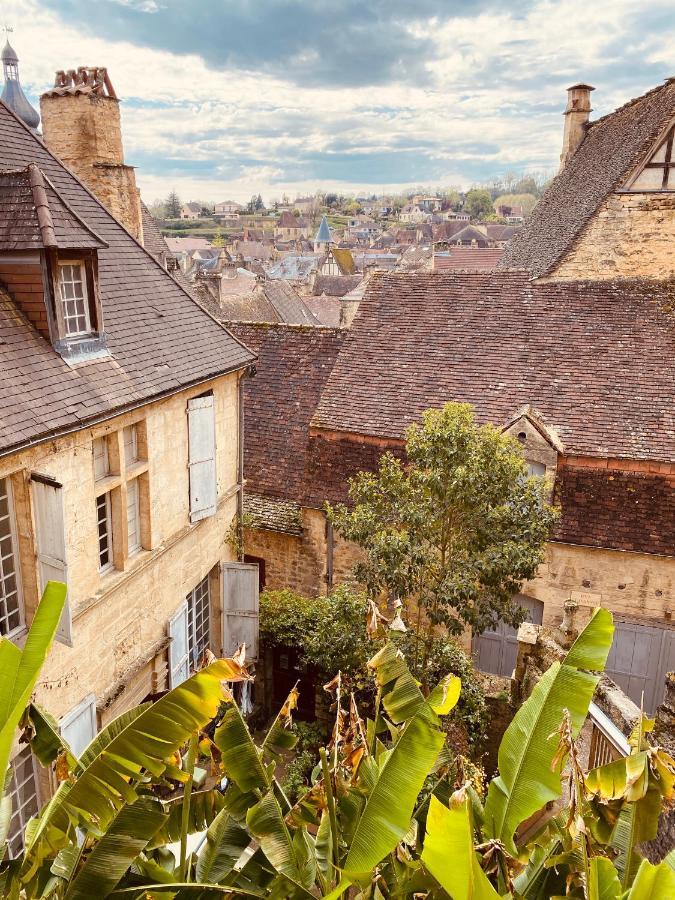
(474, 259)
(596, 359)
(160, 340)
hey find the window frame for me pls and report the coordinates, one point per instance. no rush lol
(199, 607)
(666, 165)
(133, 486)
(133, 429)
(61, 264)
(107, 499)
(103, 439)
(14, 541)
(13, 793)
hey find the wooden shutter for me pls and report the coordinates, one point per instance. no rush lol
(179, 661)
(240, 608)
(51, 544)
(78, 727)
(202, 457)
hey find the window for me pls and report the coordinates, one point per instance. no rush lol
(101, 461)
(23, 793)
(133, 518)
(202, 457)
(199, 620)
(74, 300)
(535, 468)
(11, 606)
(103, 520)
(659, 173)
(131, 444)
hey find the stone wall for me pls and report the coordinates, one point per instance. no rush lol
(120, 617)
(630, 236)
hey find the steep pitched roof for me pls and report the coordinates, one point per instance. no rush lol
(33, 215)
(335, 285)
(344, 259)
(323, 235)
(292, 368)
(597, 359)
(160, 340)
(612, 147)
(153, 239)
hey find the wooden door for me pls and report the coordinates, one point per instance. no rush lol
(496, 651)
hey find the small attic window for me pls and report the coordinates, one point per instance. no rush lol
(72, 285)
(658, 173)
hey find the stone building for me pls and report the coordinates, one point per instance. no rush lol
(569, 346)
(120, 449)
(290, 228)
(81, 126)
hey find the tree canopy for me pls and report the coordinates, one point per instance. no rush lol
(478, 203)
(455, 528)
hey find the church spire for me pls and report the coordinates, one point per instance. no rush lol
(12, 93)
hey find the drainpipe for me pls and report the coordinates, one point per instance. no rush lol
(240, 465)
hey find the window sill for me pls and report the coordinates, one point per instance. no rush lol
(82, 349)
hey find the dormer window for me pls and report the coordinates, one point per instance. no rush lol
(72, 285)
(49, 264)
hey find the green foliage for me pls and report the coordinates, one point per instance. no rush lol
(380, 821)
(478, 203)
(527, 201)
(456, 529)
(173, 205)
(330, 634)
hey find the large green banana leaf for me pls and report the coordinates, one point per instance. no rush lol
(638, 821)
(240, 756)
(527, 780)
(225, 842)
(401, 694)
(449, 853)
(204, 807)
(385, 819)
(19, 669)
(266, 822)
(603, 881)
(653, 882)
(128, 834)
(146, 745)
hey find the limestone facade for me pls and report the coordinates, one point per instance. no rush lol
(120, 616)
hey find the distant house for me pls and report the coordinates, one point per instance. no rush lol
(428, 204)
(228, 208)
(451, 216)
(414, 214)
(362, 224)
(190, 211)
(290, 228)
(338, 262)
(306, 204)
(513, 214)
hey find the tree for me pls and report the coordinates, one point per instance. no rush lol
(218, 239)
(173, 206)
(259, 203)
(478, 203)
(455, 529)
(527, 201)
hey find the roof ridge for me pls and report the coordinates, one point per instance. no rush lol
(41, 202)
(631, 102)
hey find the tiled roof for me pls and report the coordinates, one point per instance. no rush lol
(596, 359)
(469, 233)
(292, 368)
(335, 285)
(153, 239)
(160, 340)
(613, 146)
(188, 244)
(33, 215)
(474, 259)
(326, 309)
(288, 220)
(273, 515)
(344, 259)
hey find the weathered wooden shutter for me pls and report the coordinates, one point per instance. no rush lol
(51, 544)
(179, 662)
(78, 727)
(202, 457)
(240, 608)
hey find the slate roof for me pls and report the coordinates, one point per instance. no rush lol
(326, 309)
(273, 515)
(153, 239)
(33, 215)
(323, 235)
(596, 359)
(469, 233)
(292, 368)
(159, 339)
(613, 146)
(288, 220)
(344, 259)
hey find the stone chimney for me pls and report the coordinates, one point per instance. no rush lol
(81, 125)
(576, 115)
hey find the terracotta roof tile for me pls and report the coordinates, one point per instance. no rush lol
(597, 359)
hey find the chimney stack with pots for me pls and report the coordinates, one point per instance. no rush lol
(576, 114)
(81, 125)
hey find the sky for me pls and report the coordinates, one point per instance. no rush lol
(225, 98)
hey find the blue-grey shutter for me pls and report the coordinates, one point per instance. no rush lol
(202, 457)
(240, 608)
(51, 544)
(179, 657)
